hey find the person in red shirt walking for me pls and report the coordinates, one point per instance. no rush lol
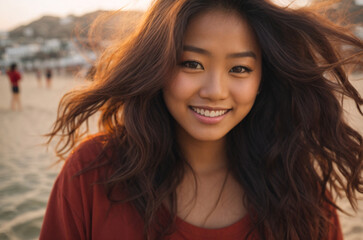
(14, 77)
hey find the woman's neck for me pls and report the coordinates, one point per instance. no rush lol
(205, 157)
(208, 196)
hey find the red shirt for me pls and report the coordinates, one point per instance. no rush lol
(79, 209)
(14, 77)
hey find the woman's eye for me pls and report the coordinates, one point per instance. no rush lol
(192, 64)
(240, 69)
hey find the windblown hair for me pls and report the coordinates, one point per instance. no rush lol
(293, 147)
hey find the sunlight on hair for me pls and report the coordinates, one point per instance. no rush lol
(144, 4)
(136, 4)
(293, 3)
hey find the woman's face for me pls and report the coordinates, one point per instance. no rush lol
(217, 78)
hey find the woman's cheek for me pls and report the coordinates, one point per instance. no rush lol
(244, 92)
(183, 86)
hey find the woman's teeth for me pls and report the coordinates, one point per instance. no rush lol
(209, 113)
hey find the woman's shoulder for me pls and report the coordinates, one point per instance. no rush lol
(87, 153)
(84, 167)
(93, 144)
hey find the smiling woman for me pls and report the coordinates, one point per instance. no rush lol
(219, 120)
(218, 77)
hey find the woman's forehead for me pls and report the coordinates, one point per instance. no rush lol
(228, 27)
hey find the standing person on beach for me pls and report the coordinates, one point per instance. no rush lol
(48, 77)
(14, 77)
(218, 120)
(38, 75)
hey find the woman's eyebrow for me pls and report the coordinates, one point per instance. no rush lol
(196, 50)
(242, 54)
(206, 52)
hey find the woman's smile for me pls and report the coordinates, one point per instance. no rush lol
(209, 115)
(210, 112)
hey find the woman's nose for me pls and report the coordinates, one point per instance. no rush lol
(214, 87)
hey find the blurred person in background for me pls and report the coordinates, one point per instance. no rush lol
(14, 77)
(48, 77)
(38, 75)
(218, 120)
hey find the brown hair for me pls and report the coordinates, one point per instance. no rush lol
(291, 148)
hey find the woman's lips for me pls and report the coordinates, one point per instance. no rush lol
(209, 115)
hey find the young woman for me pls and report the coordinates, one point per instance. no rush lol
(220, 120)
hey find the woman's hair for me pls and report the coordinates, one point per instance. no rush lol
(290, 151)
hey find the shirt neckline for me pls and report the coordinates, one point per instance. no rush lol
(239, 228)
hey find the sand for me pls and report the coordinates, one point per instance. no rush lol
(25, 174)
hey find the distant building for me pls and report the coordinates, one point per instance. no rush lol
(67, 20)
(52, 45)
(17, 53)
(4, 39)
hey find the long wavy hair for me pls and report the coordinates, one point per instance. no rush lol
(293, 147)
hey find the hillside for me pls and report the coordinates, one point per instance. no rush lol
(48, 27)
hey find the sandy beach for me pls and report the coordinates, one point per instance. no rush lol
(26, 175)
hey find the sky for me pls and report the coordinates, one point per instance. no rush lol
(14, 13)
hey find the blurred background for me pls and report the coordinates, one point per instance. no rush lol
(48, 41)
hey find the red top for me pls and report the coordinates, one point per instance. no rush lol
(14, 77)
(78, 209)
